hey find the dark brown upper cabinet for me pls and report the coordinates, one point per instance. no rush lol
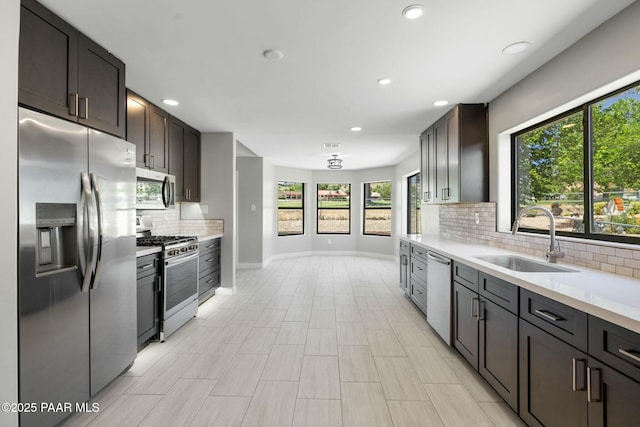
(148, 129)
(64, 73)
(184, 148)
(454, 157)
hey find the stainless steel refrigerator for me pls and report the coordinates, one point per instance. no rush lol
(77, 283)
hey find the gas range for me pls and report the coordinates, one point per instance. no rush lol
(172, 246)
(179, 293)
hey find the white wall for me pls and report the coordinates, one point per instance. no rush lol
(250, 211)
(219, 189)
(283, 246)
(604, 60)
(9, 22)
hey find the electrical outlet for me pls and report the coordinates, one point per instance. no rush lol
(328, 241)
(477, 218)
(204, 209)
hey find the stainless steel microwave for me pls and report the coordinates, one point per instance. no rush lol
(154, 190)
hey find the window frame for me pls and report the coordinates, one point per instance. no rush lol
(588, 185)
(302, 208)
(365, 208)
(318, 208)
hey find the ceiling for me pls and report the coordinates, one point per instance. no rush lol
(207, 54)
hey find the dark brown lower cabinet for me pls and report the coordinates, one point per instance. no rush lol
(209, 270)
(613, 398)
(498, 350)
(553, 383)
(465, 323)
(148, 287)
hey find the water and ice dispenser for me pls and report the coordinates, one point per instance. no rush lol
(56, 237)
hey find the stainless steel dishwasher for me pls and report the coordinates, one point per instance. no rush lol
(439, 295)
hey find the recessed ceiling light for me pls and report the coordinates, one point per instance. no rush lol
(384, 81)
(516, 48)
(331, 145)
(441, 103)
(413, 11)
(356, 129)
(171, 102)
(272, 54)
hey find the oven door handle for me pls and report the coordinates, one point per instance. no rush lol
(175, 261)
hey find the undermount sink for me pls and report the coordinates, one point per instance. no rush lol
(524, 265)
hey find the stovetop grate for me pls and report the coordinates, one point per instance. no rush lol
(163, 240)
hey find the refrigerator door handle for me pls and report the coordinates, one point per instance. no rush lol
(89, 232)
(100, 235)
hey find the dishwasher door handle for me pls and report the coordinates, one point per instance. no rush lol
(438, 258)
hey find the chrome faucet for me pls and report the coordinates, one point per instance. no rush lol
(554, 248)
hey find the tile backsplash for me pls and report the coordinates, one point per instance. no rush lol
(457, 221)
(168, 222)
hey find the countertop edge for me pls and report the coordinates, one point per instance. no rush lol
(541, 283)
(147, 250)
(210, 237)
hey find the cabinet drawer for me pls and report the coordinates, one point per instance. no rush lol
(419, 252)
(211, 280)
(209, 245)
(465, 275)
(499, 291)
(419, 295)
(419, 271)
(615, 346)
(147, 265)
(209, 260)
(562, 321)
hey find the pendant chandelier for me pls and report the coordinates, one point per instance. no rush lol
(335, 163)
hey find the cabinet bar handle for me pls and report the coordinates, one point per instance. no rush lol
(475, 303)
(548, 315)
(481, 310)
(209, 260)
(159, 284)
(152, 159)
(591, 373)
(575, 374)
(417, 291)
(144, 267)
(630, 354)
(210, 280)
(426, 196)
(209, 247)
(147, 160)
(73, 104)
(85, 104)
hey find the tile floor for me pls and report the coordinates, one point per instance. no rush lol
(306, 342)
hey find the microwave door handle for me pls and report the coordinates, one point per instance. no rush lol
(88, 232)
(166, 192)
(100, 222)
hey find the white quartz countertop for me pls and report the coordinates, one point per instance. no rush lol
(611, 297)
(206, 237)
(147, 250)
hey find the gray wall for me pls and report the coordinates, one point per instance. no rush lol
(605, 59)
(218, 180)
(250, 221)
(9, 22)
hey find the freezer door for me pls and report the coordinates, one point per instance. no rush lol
(54, 314)
(113, 294)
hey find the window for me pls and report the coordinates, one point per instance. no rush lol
(584, 166)
(377, 208)
(413, 205)
(290, 208)
(334, 209)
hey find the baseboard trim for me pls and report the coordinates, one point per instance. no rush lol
(249, 265)
(226, 290)
(327, 253)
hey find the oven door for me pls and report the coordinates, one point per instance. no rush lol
(180, 283)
